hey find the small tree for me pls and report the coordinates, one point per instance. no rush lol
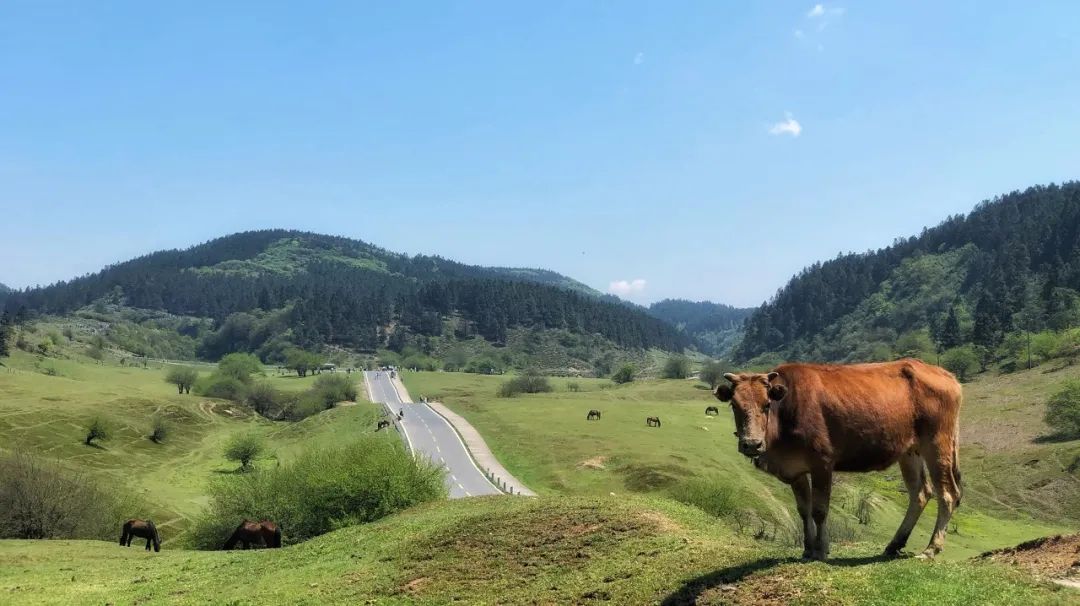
(182, 377)
(244, 448)
(97, 429)
(240, 366)
(159, 429)
(1063, 409)
(676, 367)
(711, 373)
(961, 361)
(302, 362)
(625, 374)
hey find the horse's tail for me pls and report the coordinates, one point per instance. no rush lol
(154, 534)
(234, 539)
(277, 536)
(124, 532)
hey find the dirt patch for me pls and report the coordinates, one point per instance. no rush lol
(662, 522)
(415, 585)
(1055, 557)
(648, 478)
(594, 463)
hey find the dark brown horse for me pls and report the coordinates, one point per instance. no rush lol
(593, 414)
(250, 533)
(652, 421)
(382, 424)
(143, 530)
(712, 410)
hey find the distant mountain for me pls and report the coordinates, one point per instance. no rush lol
(4, 288)
(1011, 265)
(283, 288)
(717, 327)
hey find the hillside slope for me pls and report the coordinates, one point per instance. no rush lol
(1009, 265)
(508, 551)
(715, 326)
(313, 290)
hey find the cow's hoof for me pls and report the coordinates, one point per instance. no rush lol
(807, 555)
(894, 551)
(927, 554)
(819, 556)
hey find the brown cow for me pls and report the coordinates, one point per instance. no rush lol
(802, 422)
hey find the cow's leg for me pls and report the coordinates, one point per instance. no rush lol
(801, 488)
(939, 460)
(913, 469)
(820, 494)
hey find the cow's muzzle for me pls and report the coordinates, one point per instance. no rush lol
(751, 448)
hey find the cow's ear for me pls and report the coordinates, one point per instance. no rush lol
(777, 392)
(724, 393)
(772, 376)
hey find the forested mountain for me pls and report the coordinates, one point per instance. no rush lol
(715, 326)
(4, 288)
(1011, 265)
(309, 290)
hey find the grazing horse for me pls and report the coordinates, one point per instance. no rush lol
(593, 414)
(382, 424)
(652, 421)
(712, 410)
(252, 533)
(802, 422)
(143, 530)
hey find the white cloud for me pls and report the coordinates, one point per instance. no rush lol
(817, 11)
(627, 288)
(799, 34)
(790, 126)
(639, 58)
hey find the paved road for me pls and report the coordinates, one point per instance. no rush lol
(431, 435)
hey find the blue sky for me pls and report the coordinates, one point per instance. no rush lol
(700, 150)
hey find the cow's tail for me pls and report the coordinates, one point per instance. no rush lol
(957, 480)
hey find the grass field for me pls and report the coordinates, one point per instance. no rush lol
(45, 402)
(544, 440)
(548, 550)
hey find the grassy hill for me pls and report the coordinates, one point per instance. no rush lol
(716, 327)
(506, 550)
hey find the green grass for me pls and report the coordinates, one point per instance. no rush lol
(509, 551)
(44, 414)
(545, 441)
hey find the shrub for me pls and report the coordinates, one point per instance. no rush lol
(420, 362)
(712, 495)
(961, 361)
(530, 382)
(159, 429)
(332, 389)
(1063, 409)
(244, 448)
(264, 399)
(239, 366)
(41, 500)
(573, 386)
(676, 367)
(320, 491)
(712, 372)
(484, 366)
(625, 374)
(97, 428)
(182, 377)
(219, 386)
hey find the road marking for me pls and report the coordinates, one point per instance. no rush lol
(461, 487)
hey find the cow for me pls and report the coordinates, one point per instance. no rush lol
(593, 414)
(802, 422)
(712, 411)
(652, 421)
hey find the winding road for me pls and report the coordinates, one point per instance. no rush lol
(428, 433)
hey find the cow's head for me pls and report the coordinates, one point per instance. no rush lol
(751, 395)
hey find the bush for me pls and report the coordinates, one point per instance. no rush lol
(676, 367)
(239, 366)
(41, 500)
(219, 386)
(182, 377)
(159, 429)
(712, 495)
(484, 366)
(625, 374)
(244, 448)
(530, 382)
(961, 361)
(97, 428)
(712, 372)
(332, 389)
(1063, 409)
(320, 491)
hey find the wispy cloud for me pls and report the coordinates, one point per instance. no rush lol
(627, 288)
(790, 126)
(817, 11)
(639, 58)
(799, 34)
